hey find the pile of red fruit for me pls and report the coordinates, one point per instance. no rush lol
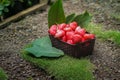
(70, 33)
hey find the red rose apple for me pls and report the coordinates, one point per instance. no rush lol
(62, 26)
(89, 36)
(64, 38)
(53, 30)
(69, 35)
(73, 25)
(77, 38)
(80, 31)
(59, 33)
(70, 42)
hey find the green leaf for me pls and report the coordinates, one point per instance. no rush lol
(42, 47)
(83, 19)
(21, 0)
(44, 41)
(1, 13)
(6, 10)
(7, 3)
(1, 7)
(56, 14)
(70, 18)
(44, 51)
(29, 3)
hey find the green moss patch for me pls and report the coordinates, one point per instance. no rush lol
(3, 76)
(63, 68)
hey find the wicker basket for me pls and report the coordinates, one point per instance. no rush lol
(78, 50)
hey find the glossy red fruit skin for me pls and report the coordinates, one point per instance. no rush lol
(59, 34)
(69, 35)
(62, 26)
(80, 31)
(70, 42)
(53, 27)
(73, 25)
(77, 29)
(87, 36)
(83, 39)
(77, 38)
(66, 29)
(64, 38)
(92, 36)
(52, 32)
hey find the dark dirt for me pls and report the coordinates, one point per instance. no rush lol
(103, 11)
(106, 55)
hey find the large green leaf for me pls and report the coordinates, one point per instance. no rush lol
(70, 18)
(1, 6)
(7, 3)
(56, 14)
(43, 48)
(44, 51)
(44, 41)
(83, 19)
(6, 10)
(1, 12)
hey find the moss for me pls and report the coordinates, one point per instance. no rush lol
(3, 76)
(64, 68)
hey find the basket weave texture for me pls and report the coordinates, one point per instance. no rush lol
(79, 50)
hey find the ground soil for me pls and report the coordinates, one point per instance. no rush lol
(106, 55)
(103, 11)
